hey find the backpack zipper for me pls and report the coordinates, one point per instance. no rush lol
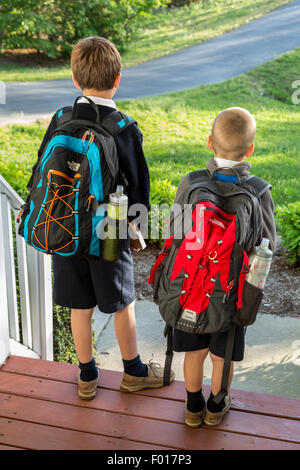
(86, 135)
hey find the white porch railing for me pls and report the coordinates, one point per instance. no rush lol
(25, 324)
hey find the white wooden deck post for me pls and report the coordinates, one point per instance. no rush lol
(9, 267)
(45, 306)
(4, 328)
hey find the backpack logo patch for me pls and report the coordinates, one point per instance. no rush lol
(189, 315)
(74, 166)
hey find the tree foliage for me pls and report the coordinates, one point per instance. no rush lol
(53, 26)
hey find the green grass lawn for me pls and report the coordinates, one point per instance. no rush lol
(169, 31)
(176, 127)
(172, 30)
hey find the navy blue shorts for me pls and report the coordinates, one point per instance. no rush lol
(84, 283)
(216, 342)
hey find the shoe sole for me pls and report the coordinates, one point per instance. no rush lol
(216, 423)
(86, 397)
(196, 425)
(193, 425)
(137, 388)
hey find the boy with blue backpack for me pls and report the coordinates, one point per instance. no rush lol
(87, 151)
(201, 277)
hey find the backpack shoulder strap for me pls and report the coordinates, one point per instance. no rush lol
(258, 184)
(116, 122)
(198, 176)
(168, 333)
(226, 367)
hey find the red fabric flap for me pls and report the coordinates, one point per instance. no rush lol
(160, 258)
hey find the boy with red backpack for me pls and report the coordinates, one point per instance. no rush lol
(200, 278)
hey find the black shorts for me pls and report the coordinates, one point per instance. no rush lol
(216, 342)
(84, 283)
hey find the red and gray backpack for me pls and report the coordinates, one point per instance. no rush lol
(199, 276)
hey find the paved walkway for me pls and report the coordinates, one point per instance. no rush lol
(216, 60)
(272, 355)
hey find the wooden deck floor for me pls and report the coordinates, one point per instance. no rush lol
(39, 409)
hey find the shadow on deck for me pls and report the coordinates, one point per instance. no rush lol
(40, 409)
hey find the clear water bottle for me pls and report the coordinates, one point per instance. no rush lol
(117, 215)
(259, 264)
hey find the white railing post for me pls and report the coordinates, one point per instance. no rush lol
(33, 280)
(4, 327)
(45, 306)
(23, 289)
(9, 267)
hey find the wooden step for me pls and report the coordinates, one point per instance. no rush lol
(39, 398)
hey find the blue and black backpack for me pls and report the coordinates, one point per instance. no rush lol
(73, 177)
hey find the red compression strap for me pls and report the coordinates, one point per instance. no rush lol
(160, 258)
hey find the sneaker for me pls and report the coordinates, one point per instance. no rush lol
(87, 390)
(214, 419)
(194, 420)
(154, 379)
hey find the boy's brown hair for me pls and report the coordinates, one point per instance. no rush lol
(233, 133)
(95, 63)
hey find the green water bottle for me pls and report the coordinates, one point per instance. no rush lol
(117, 215)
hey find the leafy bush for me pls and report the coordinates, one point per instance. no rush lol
(182, 3)
(13, 170)
(162, 198)
(53, 26)
(63, 345)
(289, 220)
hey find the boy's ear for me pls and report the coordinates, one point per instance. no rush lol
(250, 151)
(117, 80)
(209, 144)
(75, 82)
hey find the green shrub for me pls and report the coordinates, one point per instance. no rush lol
(53, 27)
(63, 345)
(162, 198)
(289, 221)
(182, 3)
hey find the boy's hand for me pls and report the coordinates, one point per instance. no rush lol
(133, 245)
(137, 242)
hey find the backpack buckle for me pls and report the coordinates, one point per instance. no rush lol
(244, 269)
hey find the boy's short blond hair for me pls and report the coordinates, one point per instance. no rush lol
(95, 63)
(233, 133)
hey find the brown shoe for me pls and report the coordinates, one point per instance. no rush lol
(154, 379)
(87, 390)
(194, 420)
(214, 419)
